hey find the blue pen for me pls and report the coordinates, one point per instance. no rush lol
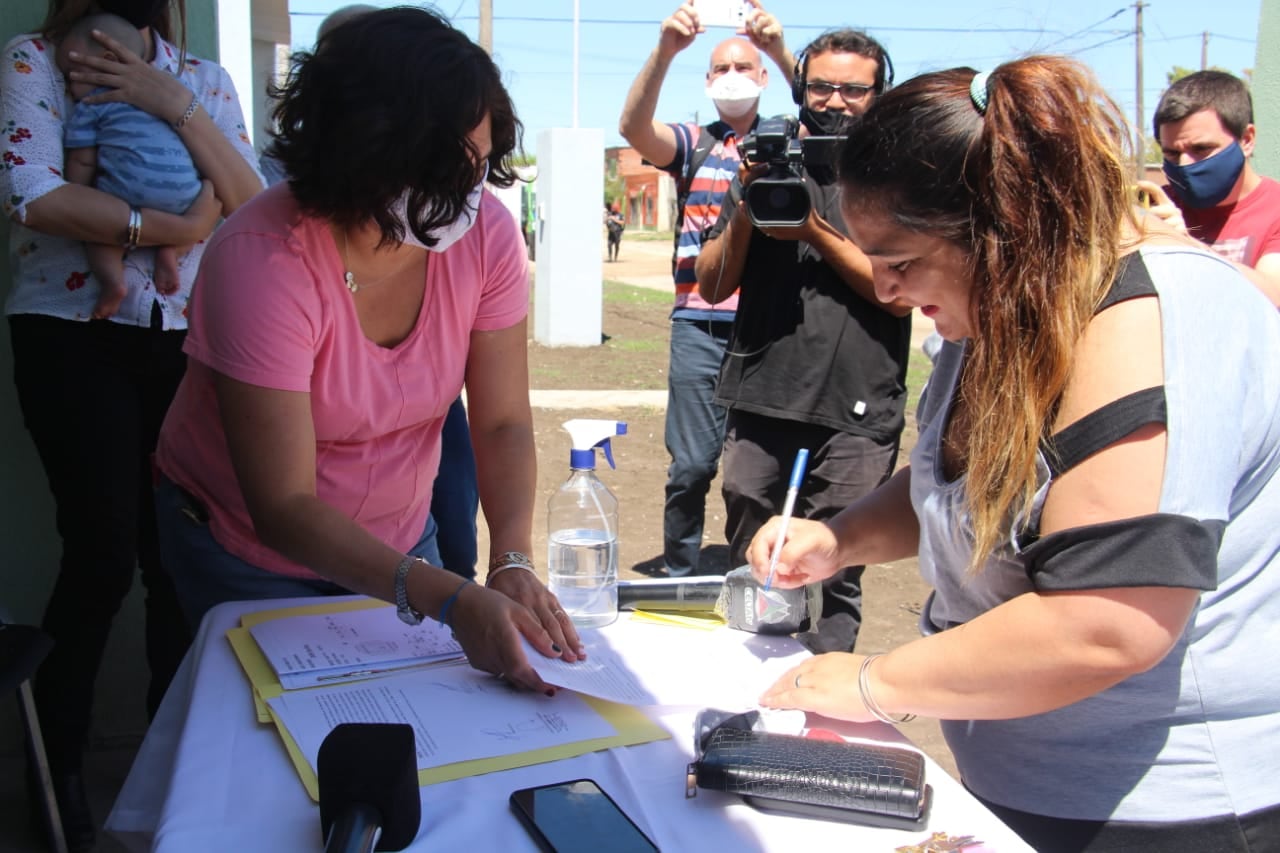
(788, 506)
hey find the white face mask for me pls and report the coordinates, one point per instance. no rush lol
(735, 94)
(446, 235)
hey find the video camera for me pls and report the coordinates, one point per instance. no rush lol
(781, 197)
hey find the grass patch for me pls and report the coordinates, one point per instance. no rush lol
(918, 369)
(628, 294)
(640, 345)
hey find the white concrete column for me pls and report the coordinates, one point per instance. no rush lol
(567, 304)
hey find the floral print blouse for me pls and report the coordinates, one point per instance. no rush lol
(50, 275)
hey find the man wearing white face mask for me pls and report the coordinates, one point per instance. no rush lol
(703, 160)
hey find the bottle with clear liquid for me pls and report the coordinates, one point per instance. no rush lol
(582, 528)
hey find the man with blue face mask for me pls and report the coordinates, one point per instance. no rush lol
(1204, 123)
(703, 161)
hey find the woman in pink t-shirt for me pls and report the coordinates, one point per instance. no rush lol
(334, 321)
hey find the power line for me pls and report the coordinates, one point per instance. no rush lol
(1087, 29)
(1127, 34)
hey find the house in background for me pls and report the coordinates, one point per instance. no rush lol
(649, 194)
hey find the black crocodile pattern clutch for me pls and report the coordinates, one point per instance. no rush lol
(853, 782)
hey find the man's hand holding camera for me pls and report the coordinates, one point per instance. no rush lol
(747, 173)
(765, 32)
(679, 30)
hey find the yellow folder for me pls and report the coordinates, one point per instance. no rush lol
(631, 724)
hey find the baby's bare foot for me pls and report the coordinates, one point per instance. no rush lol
(109, 300)
(166, 273)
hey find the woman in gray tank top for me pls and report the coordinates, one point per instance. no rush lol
(1094, 491)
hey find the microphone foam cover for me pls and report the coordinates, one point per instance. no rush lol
(373, 764)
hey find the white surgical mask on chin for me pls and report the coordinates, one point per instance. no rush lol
(735, 94)
(446, 235)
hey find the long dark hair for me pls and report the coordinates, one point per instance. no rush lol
(385, 104)
(1036, 191)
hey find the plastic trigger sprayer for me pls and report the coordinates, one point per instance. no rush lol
(582, 529)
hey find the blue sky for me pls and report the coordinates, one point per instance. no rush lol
(533, 44)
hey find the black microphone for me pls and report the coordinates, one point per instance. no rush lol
(368, 775)
(695, 593)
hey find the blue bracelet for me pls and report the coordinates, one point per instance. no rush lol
(443, 618)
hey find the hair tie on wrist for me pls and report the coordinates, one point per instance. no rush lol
(979, 92)
(443, 618)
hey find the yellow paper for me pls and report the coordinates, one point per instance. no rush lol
(631, 725)
(705, 620)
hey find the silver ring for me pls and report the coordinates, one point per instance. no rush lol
(556, 614)
(797, 681)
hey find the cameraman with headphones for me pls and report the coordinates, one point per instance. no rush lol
(815, 360)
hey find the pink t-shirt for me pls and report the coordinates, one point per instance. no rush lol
(270, 308)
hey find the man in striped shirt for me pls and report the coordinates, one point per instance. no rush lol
(703, 160)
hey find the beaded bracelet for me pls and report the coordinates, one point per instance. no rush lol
(508, 560)
(864, 690)
(443, 618)
(186, 117)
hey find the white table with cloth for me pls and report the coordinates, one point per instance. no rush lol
(209, 776)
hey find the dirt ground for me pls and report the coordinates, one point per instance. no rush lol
(634, 357)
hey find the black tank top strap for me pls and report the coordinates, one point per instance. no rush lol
(1132, 280)
(1103, 427)
(1119, 418)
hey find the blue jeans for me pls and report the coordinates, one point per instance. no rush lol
(205, 574)
(694, 436)
(455, 495)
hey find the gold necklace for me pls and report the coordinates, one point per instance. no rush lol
(349, 278)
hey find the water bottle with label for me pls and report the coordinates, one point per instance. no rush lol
(582, 528)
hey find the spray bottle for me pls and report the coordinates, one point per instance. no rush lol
(582, 528)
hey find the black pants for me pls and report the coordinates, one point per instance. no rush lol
(758, 454)
(93, 396)
(1258, 832)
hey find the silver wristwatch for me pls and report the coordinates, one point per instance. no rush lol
(407, 614)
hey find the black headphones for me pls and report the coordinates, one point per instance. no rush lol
(800, 75)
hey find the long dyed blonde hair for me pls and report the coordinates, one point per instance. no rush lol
(1036, 188)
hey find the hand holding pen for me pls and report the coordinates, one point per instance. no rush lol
(788, 507)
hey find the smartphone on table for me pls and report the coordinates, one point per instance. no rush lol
(577, 817)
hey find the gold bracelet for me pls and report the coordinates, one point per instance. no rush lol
(133, 231)
(186, 117)
(864, 691)
(508, 560)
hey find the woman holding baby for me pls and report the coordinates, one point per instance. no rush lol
(93, 392)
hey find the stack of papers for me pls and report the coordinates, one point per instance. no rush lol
(465, 722)
(332, 648)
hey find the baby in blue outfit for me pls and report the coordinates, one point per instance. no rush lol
(126, 152)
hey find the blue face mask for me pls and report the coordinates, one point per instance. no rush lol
(1208, 182)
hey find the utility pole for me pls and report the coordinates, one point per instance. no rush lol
(1204, 50)
(576, 37)
(486, 26)
(1141, 121)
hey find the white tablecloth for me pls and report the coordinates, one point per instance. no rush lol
(210, 777)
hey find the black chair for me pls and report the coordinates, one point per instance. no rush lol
(22, 648)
